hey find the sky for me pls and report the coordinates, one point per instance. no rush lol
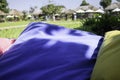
(69, 4)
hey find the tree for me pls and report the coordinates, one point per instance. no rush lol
(4, 6)
(32, 9)
(84, 3)
(105, 3)
(24, 15)
(51, 9)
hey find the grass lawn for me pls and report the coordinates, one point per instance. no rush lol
(10, 24)
(11, 33)
(67, 24)
(14, 33)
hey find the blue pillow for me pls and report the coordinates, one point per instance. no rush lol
(50, 52)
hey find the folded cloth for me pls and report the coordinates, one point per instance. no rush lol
(50, 52)
(107, 66)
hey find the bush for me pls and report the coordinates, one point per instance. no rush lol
(2, 20)
(10, 19)
(106, 22)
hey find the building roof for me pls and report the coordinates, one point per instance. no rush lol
(80, 11)
(99, 11)
(87, 7)
(37, 12)
(69, 11)
(116, 10)
(113, 6)
(15, 12)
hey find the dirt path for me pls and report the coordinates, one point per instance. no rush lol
(11, 27)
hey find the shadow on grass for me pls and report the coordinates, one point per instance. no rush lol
(85, 28)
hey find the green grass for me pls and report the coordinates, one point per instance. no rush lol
(14, 33)
(11, 33)
(10, 24)
(67, 24)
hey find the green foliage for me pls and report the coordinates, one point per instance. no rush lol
(10, 19)
(24, 15)
(84, 3)
(4, 6)
(88, 24)
(105, 3)
(51, 9)
(103, 24)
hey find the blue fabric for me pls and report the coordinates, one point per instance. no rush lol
(50, 52)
